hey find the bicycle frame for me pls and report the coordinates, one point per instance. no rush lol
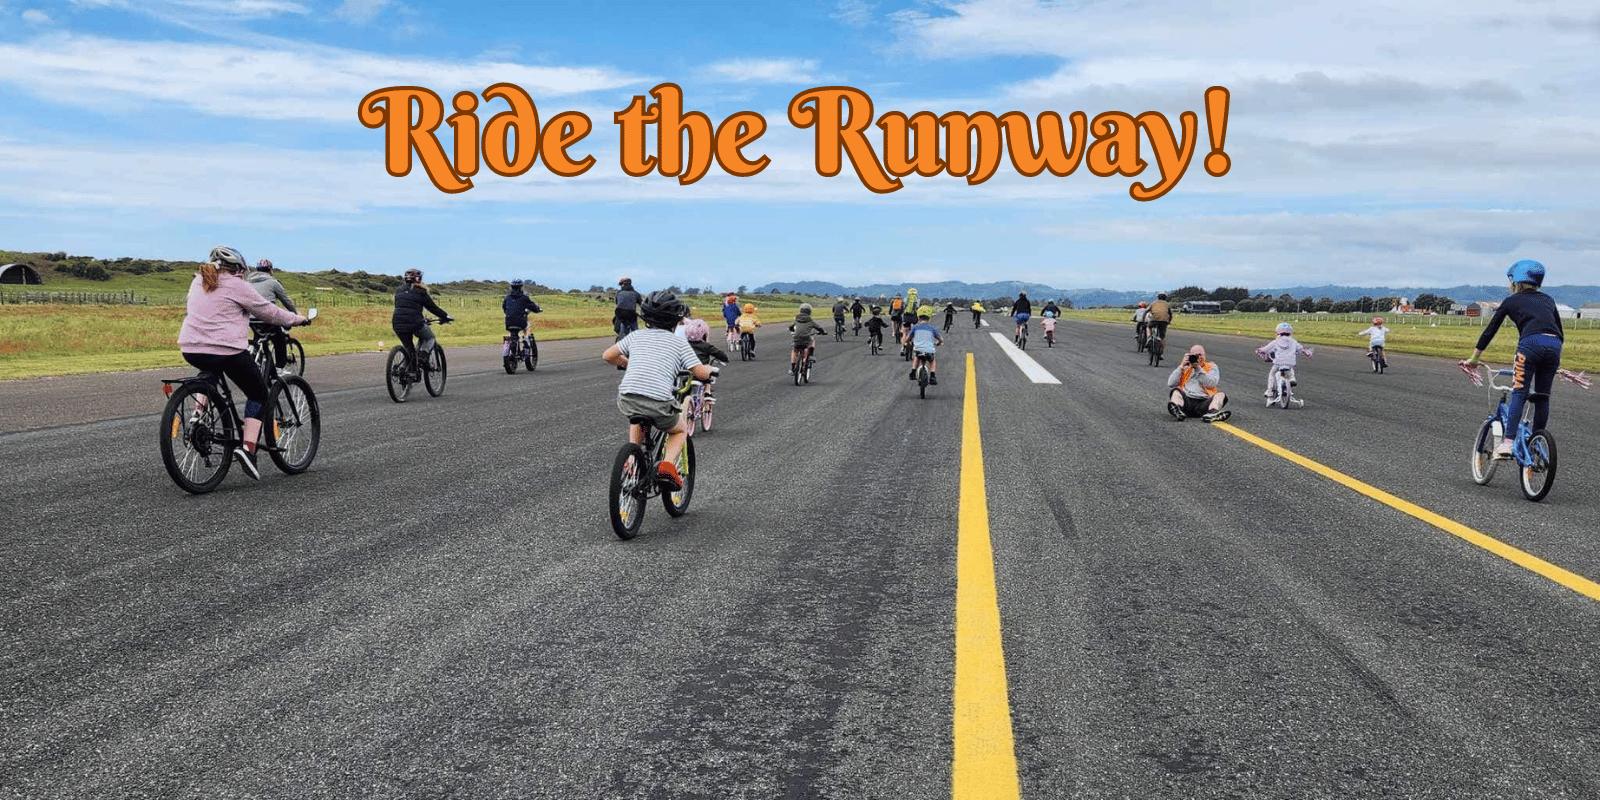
(1523, 427)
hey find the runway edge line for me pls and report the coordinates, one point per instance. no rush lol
(1528, 561)
(984, 764)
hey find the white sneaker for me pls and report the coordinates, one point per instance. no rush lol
(1298, 403)
(247, 461)
(1502, 451)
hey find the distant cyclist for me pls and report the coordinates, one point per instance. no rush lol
(263, 281)
(839, 309)
(410, 300)
(804, 329)
(1021, 310)
(977, 313)
(949, 315)
(1377, 340)
(730, 313)
(627, 314)
(876, 326)
(897, 308)
(1050, 309)
(856, 310)
(1141, 320)
(1283, 351)
(516, 306)
(1158, 317)
(924, 340)
(215, 336)
(1539, 341)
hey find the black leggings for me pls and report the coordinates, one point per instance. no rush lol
(242, 370)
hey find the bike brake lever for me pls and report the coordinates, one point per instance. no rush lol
(1473, 374)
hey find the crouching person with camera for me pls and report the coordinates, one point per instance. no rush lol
(1193, 389)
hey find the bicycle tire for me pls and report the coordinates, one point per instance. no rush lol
(510, 364)
(531, 358)
(296, 361)
(805, 374)
(705, 414)
(1541, 448)
(677, 503)
(1483, 462)
(175, 428)
(397, 377)
(1285, 394)
(299, 416)
(922, 381)
(628, 491)
(433, 379)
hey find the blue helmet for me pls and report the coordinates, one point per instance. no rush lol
(1526, 271)
(1285, 328)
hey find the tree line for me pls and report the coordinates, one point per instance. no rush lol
(1239, 298)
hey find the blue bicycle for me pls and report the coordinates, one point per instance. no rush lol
(1534, 451)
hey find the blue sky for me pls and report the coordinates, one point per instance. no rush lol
(1373, 143)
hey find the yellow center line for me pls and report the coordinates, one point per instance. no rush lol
(985, 760)
(1528, 561)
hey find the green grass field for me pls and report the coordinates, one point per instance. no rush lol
(1445, 337)
(62, 339)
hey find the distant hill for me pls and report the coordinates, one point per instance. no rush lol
(1575, 296)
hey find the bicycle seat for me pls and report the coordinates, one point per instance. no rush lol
(635, 419)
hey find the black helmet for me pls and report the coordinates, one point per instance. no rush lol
(663, 309)
(877, 309)
(1161, 296)
(516, 284)
(413, 275)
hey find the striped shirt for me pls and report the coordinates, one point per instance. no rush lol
(655, 357)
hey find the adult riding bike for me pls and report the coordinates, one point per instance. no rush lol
(294, 355)
(1379, 363)
(923, 374)
(633, 476)
(402, 370)
(1156, 344)
(1021, 337)
(838, 329)
(201, 427)
(1534, 451)
(520, 347)
(700, 404)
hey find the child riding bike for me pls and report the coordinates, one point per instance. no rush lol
(1539, 341)
(652, 357)
(924, 340)
(1048, 322)
(1282, 352)
(1377, 336)
(747, 324)
(516, 306)
(803, 328)
(876, 326)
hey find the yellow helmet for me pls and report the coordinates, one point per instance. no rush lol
(749, 308)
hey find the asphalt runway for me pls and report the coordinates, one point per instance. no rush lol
(438, 608)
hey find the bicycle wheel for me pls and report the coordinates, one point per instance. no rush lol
(530, 359)
(1483, 462)
(1539, 475)
(294, 358)
(510, 364)
(295, 429)
(805, 373)
(434, 378)
(397, 375)
(922, 381)
(677, 503)
(196, 444)
(628, 491)
(1285, 394)
(706, 407)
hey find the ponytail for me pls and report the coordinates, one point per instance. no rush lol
(208, 276)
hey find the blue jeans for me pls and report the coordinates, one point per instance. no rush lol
(1538, 357)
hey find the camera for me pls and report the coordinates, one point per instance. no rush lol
(1194, 358)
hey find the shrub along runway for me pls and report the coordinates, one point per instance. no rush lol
(438, 606)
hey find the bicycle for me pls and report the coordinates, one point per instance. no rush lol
(949, 322)
(1141, 337)
(520, 347)
(875, 341)
(734, 340)
(804, 361)
(633, 478)
(1282, 392)
(923, 374)
(905, 349)
(747, 347)
(1156, 344)
(857, 329)
(1534, 451)
(700, 404)
(401, 372)
(1379, 363)
(201, 426)
(261, 349)
(838, 329)
(1021, 337)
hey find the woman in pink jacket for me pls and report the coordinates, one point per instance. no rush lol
(216, 337)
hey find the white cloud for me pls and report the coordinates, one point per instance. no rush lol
(237, 9)
(281, 82)
(765, 70)
(34, 16)
(361, 11)
(855, 13)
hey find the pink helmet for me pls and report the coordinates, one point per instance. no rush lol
(696, 330)
(1377, 320)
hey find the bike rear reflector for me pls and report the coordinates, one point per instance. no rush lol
(166, 389)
